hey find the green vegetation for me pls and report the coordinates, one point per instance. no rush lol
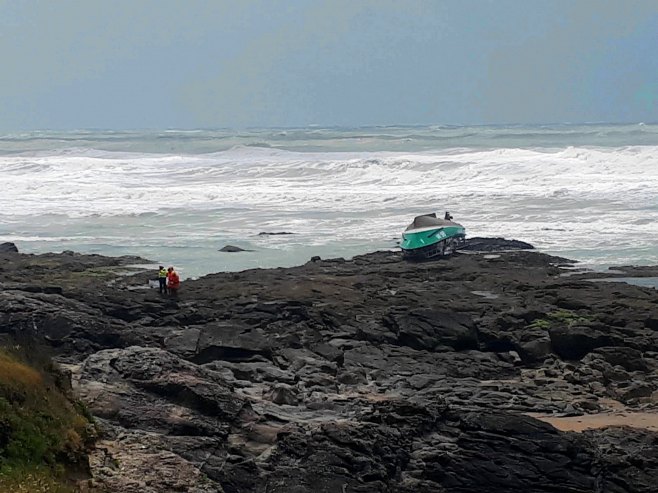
(33, 479)
(540, 323)
(43, 434)
(559, 316)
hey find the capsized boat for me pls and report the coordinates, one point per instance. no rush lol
(429, 236)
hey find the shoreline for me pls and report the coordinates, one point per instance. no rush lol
(205, 260)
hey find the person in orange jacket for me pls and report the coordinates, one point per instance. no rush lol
(173, 281)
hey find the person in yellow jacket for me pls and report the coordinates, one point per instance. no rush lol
(162, 279)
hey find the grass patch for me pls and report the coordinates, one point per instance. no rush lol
(540, 323)
(33, 479)
(559, 316)
(43, 433)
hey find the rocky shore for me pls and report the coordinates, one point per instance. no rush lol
(504, 371)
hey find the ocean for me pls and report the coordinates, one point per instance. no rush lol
(587, 192)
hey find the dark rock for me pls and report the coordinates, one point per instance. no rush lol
(141, 386)
(478, 244)
(571, 303)
(327, 351)
(233, 249)
(52, 290)
(627, 459)
(535, 351)
(361, 375)
(315, 258)
(183, 342)
(8, 247)
(573, 343)
(265, 233)
(229, 342)
(628, 358)
(254, 371)
(352, 377)
(429, 329)
(337, 260)
(283, 394)
(634, 391)
(535, 454)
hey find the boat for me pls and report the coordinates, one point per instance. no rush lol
(429, 236)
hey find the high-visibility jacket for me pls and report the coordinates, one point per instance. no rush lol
(162, 273)
(173, 281)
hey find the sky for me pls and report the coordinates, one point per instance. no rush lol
(156, 64)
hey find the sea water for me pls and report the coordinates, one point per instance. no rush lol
(587, 192)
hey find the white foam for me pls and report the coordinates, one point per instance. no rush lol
(531, 194)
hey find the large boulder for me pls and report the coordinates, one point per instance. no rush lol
(572, 343)
(153, 382)
(233, 249)
(8, 247)
(628, 358)
(529, 456)
(231, 342)
(494, 245)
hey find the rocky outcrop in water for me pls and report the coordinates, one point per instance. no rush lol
(363, 375)
(8, 248)
(477, 244)
(233, 249)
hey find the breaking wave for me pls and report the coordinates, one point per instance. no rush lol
(82, 182)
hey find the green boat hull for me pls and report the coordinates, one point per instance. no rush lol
(413, 240)
(429, 237)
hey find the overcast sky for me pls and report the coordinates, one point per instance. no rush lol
(189, 64)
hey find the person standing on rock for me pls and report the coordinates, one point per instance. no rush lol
(162, 279)
(173, 281)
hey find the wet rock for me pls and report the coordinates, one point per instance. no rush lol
(283, 394)
(535, 351)
(494, 245)
(327, 351)
(628, 358)
(162, 374)
(352, 377)
(133, 464)
(626, 456)
(8, 247)
(629, 392)
(575, 342)
(255, 371)
(430, 329)
(233, 249)
(361, 375)
(230, 342)
(183, 342)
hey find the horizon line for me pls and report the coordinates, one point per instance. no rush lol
(322, 126)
